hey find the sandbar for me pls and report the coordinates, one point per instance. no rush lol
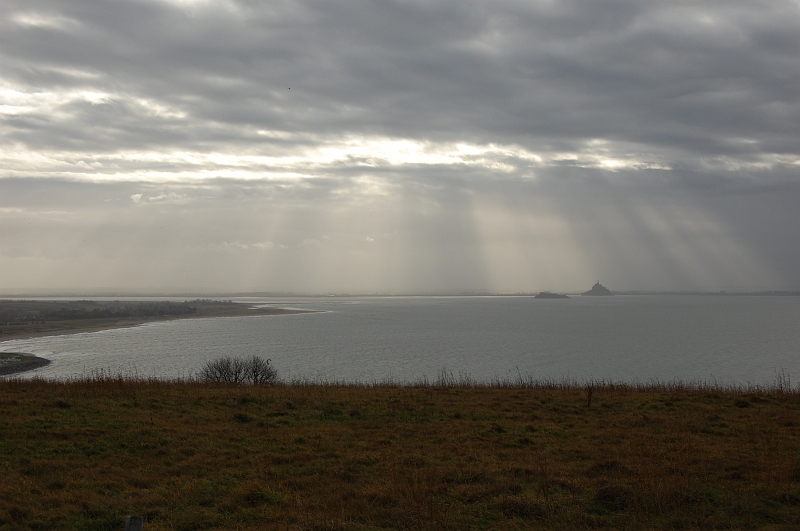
(27, 319)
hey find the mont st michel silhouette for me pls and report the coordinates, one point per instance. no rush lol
(598, 289)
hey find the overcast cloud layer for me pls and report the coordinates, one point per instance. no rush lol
(399, 146)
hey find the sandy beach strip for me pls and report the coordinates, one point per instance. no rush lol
(26, 329)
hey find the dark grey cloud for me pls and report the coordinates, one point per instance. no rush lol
(400, 145)
(695, 78)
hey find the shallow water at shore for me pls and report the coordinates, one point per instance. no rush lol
(747, 339)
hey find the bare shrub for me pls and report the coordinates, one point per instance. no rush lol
(259, 371)
(253, 370)
(218, 370)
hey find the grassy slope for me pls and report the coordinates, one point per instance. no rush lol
(193, 456)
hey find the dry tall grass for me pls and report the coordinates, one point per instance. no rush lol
(449, 454)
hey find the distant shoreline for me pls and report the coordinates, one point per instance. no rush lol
(68, 296)
(206, 309)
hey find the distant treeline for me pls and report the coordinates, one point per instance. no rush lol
(18, 312)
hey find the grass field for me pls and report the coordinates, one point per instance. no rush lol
(83, 455)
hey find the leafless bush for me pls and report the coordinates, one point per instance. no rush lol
(259, 371)
(253, 370)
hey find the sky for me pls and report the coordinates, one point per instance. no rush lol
(398, 146)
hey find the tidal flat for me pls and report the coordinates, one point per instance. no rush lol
(188, 455)
(23, 318)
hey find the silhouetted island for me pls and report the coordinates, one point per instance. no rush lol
(548, 295)
(598, 289)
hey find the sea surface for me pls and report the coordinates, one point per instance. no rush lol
(629, 338)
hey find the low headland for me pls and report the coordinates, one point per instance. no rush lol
(16, 362)
(21, 319)
(447, 455)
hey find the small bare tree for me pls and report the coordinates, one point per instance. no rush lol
(218, 370)
(253, 370)
(259, 371)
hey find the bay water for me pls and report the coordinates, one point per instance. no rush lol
(625, 338)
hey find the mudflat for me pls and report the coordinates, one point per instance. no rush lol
(21, 319)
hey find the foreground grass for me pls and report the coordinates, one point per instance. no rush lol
(82, 455)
